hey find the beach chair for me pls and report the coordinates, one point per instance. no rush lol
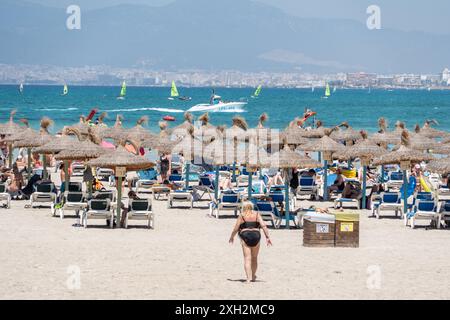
(445, 212)
(307, 187)
(347, 201)
(146, 179)
(105, 194)
(389, 201)
(259, 189)
(395, 180)
(177, 179)
(140, 209)
(276, 193)
(77, 169)
(75, 186)
(269, 212)
(160, 190)
(5, 197)
(45, 194)
(227, 201)
(443, 193)
(424, 210)
(72, 201)
(205, 187)
(99, 209)
(104, 173)
(180, 196)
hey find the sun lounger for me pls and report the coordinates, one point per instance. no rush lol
(140, 209)
(72, 201)
(389, 201)
(227, 201)
(205, 187)
(424, 210)
(307, 187)
(445, 211)
(267, 210)
(5, 197)
(104, 173)
(159, 190)
(77, 169)
(395, 180)
(98, 209)
(45, 194)
(180, 196)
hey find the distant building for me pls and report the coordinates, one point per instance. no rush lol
(445, 76)
(361, 79)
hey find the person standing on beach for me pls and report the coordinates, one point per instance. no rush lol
(248, 225)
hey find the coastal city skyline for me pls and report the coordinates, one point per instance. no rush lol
(111, 76)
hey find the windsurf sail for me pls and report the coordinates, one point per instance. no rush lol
(65, 90)
(123, 91)
(257, 91)
(21, 88)
(327, 91)
(173, 90)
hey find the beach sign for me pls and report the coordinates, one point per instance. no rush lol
(121, 171)
(322, 228)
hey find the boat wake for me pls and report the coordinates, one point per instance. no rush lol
(146, 109)
(56, 109)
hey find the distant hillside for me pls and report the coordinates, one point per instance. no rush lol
(211, 34)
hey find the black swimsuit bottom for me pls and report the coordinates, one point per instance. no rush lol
(250, 237)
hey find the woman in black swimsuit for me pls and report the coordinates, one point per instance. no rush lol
(248, 225)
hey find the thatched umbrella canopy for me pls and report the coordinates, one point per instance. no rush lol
(182, 129)
(238, 130)
(37, 139)
(318, 132)
(82, 127)
(22, 134)
(286, 159)
(364, 149)
(441, 166)
(441, 148)
(10, 127)
(421, 142)
(58, 144)
(431, 132)
(121, 158)
(116, 132)
(324, 144)
(207, 132)
(385, 137)
(404, 153)
(138, 132)
(346, 135)
(84, 150)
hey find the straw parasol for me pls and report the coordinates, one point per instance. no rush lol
(81, 126)
(207, 132)
(403, 156)
(385, 137)
(116, 132)
(365, 150)
(138, 132)
(119, 160)
(403, 153)
(348, 135)
(65, 142)
(328, 146)
(288, 159)
(420, 142)
(182, 129)
(84, 150)
(431, 132)
(22, 134)
(441, 148)
(10, 127)
(37, 140)
(441, 166)
(318, 132)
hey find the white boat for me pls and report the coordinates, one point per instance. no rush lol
(219, 107)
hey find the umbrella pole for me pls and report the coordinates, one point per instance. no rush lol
(250, 182)
(319, 156)
(233, 179)
(188, 167)
(66, 175)
(216, 187)
(325, 180)
(364, 188)
(44, 164)
(286, 201)
(10, 155)
(382, 174)
(119, 199)
(405, 193)
(29, 162)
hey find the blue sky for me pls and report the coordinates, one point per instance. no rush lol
(410, 15)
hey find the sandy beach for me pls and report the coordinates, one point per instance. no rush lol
(188, 256)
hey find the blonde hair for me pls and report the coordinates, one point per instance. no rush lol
(247, 206)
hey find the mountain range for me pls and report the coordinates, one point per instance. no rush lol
(212, 35)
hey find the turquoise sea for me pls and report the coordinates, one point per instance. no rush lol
(361, 108)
